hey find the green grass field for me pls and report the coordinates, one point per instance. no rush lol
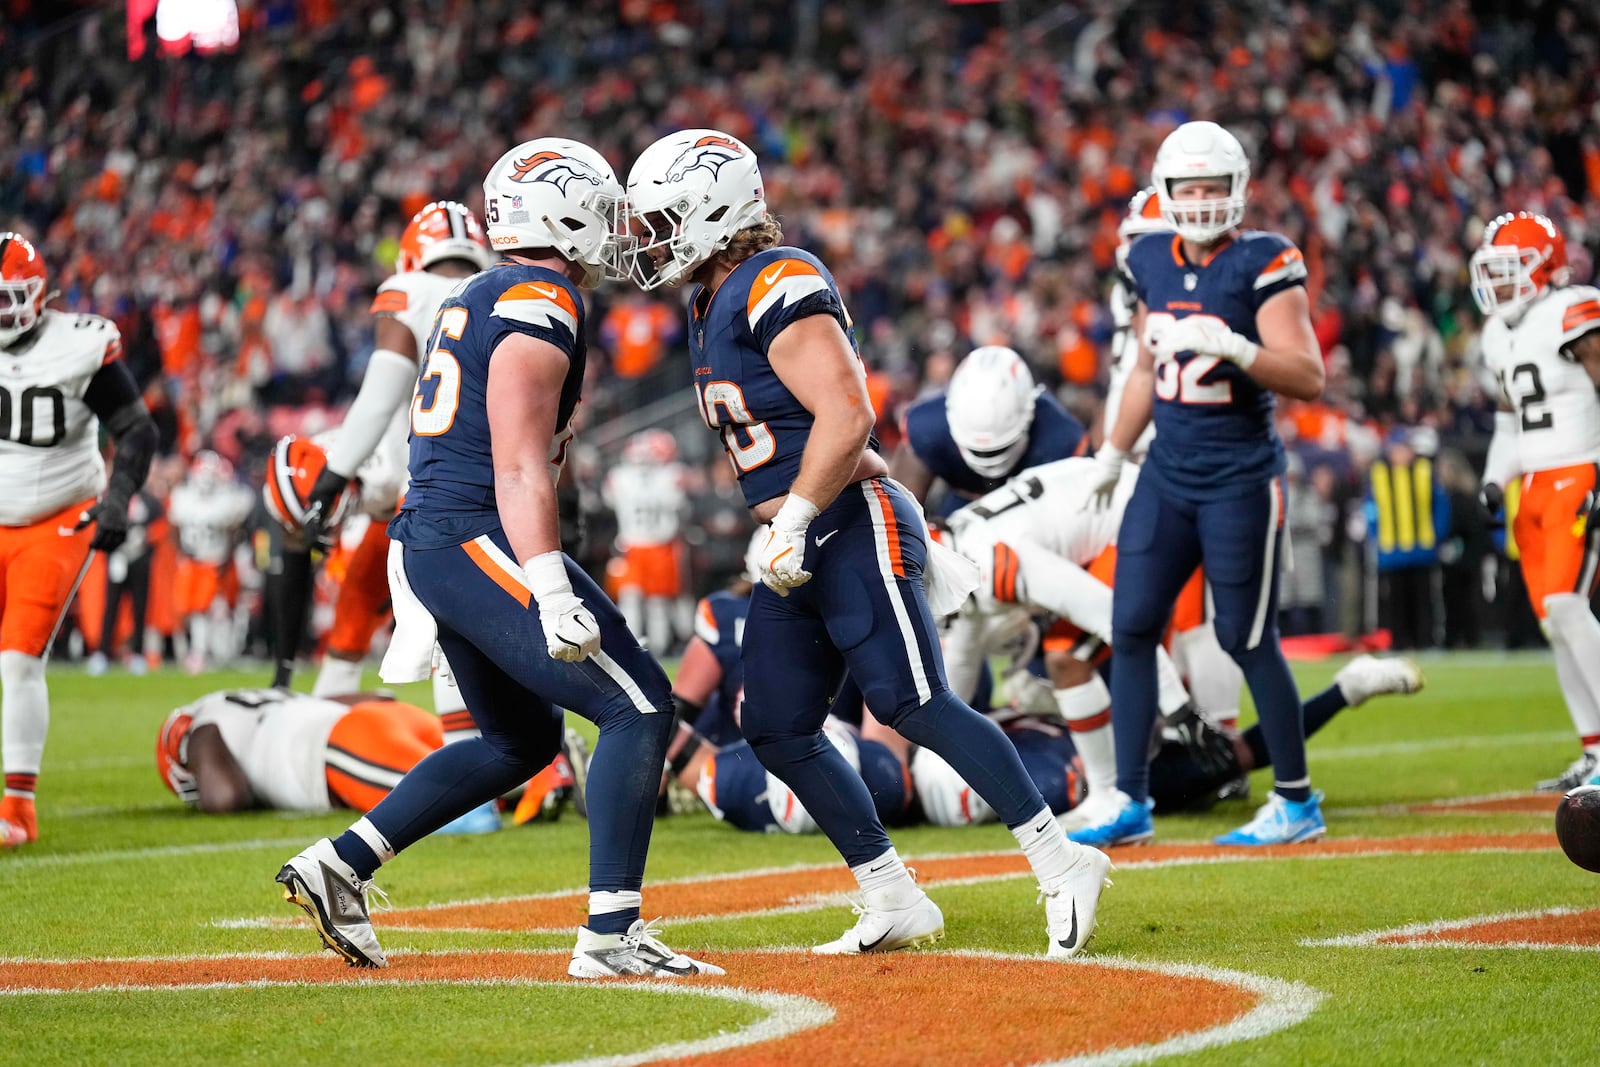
(123, 872)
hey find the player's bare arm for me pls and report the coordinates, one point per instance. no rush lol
(911, 472)
(221, 781)
(814, 361)
(1585, 352)
(1288, 359)
(525, 377)
(1138, 395)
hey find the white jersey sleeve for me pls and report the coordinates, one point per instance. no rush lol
(1049, 505)
(649, 502)
(49, 439)
(1558, 414)
(280, 741)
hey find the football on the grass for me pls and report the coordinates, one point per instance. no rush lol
(1578, 826)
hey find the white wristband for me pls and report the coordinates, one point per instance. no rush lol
(796, 513)
(547, 576)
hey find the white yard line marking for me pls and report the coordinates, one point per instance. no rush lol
(1380, 938)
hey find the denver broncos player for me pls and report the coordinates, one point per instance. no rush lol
(491, 420)
(61, 378)
(1225, 325)
(844, 565)
(440, 246)
(1541, 342)
(990, 423)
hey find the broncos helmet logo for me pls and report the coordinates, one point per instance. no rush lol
(555, 168)
(708, 153)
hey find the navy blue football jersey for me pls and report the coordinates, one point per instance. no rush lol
(1054, 434)
(1214, 433)
(764, 428)
(719, 622)
(451, 498)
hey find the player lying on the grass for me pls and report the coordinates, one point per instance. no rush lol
(241, 749)
(66, 381)
(846, 573)
(1541, 340)
(477, 566)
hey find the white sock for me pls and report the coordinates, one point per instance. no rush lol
(885, 882)
(606, 902)
(199, 636)
(451, 707)
(1214, 679)
(1087, 709)
(337, 677)
(1045, 844)
(24, 716)
(1574, 635)
(375, 841)
(658, 623)
(630, 601)
(1171, 696)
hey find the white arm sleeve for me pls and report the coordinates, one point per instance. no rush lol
(389, 382)
(1501, 465)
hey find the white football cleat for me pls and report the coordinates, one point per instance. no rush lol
(327, 889)
(1582, 770)
(888, 929)
(1098, 807)
(1366, 677)
(1070, 908)
(636, 952)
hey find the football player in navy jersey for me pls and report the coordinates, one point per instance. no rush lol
(990, 423)
(525, 631)
(846, 562)
(1225, 326)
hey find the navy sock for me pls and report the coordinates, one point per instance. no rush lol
(1272, 687)
(624, 780)
(357, 853)
(613, 922)
(1318, 711)
(831, 791)
(1133, 709)
(977, 750)
(447, 784)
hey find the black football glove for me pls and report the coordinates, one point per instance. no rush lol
(1493, 498)
(1209, 747)
(319, 507)
(110, 517)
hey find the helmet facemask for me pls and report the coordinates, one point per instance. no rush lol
(660, 250)
(19, 307)
(1508, 269)
(1204, 221)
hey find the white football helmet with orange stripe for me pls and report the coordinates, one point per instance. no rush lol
(688, 194)
(1201, 150)
(946, 799)
(552, 192)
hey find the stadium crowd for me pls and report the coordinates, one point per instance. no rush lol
(963, 170)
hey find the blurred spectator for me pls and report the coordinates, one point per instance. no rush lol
(1407, 509)
(1466, 554)
(1305, 517)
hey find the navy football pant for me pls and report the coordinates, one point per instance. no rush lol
(864, 610)
(489, 631)
(1162, 539)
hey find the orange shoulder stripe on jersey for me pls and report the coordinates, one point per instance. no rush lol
(705, 613)
(113, 351)
(1578, 314)
(497, 573)
(390, 301)
(772, 274)
(891, 530)
(542, 291)
(1281, 260)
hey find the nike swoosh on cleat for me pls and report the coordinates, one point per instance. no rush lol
(866, 947)
(1072, 935)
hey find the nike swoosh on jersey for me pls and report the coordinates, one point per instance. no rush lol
(66, 531)
(825, 537)
(775, 273)
(1563, 483)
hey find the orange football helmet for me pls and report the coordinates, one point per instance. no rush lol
(442, 230)
(22, 280)
(1144, 215)
(172, 752)
(650, 446)
(292, 472)
(1522, 256)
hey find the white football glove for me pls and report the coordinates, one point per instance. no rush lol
(782, 558)
(1108, 472)
(571, 633)
(1203, 335)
